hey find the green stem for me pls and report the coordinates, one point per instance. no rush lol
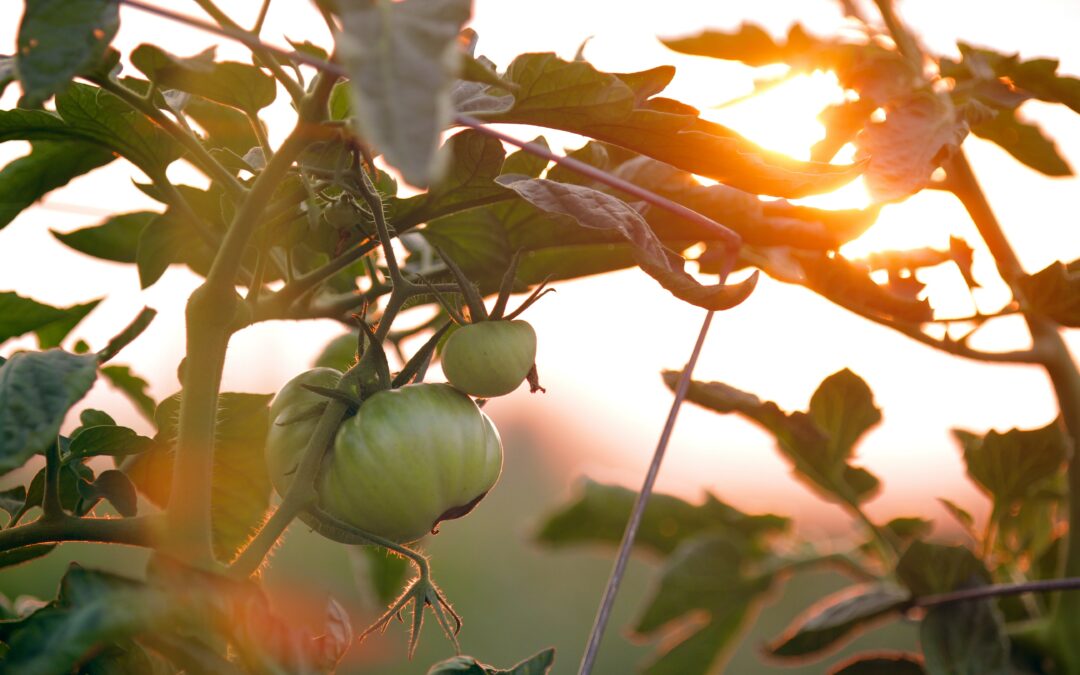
(141, 531)
(50, 501)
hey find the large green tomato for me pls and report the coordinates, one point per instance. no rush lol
(285, 443)
(410, 458)
(489, 358)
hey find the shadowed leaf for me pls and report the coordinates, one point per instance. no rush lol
(1024, 141)
(49, 165)
(1015, 465)
(966, 638)
(834, 619)
(538, 664)
(1055, 292)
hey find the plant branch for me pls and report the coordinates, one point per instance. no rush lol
(51, 507)
(141, 531)
(999, 590)
(603, 614)
(197, 153)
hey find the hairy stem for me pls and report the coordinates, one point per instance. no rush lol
(141, 531)
(50, 501)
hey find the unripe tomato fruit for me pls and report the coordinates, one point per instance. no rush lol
(285, 444)
(489, 358)
(410, 458)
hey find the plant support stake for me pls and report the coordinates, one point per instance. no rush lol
(632, 525)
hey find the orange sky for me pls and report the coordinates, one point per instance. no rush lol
(604, 340)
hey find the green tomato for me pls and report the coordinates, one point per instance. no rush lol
(409, 459)
(285, 443)
(490, 358)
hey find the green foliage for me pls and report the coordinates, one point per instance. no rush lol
(881, 664)
(59, 39)
(834, 618)
(36, 391)
(965, 639)
(538, 664)
(50, 164)
(116, 239)
(19, 315)
(402, 58)
(238, 85)
(1016, 465)
(1055, 292)
(132, 386)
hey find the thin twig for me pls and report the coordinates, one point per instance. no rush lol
(632, 525)
(999, 590)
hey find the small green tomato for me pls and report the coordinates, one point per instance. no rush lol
(285, 443)
(409, 459)
(489, 358)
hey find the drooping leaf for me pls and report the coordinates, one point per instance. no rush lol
(49, 165)
(1014, 465)
(402, 58)
(704, 574)
(965, 638)
(36, 391)
(241, 484)
(881, 664)
(238, 85)
(819, 444)
(597, 210)
(60, 38)
(1055, 292)
(116, 239)
(538, 664)
(19, 315)
(1024, 141)
(849, 284)
(919, 133)
(600, 514)
(575, 97)
(834, 618)
(927, 568)
(132, 386)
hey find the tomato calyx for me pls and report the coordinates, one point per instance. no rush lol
(457, 512)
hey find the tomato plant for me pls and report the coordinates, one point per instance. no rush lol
(317, 225)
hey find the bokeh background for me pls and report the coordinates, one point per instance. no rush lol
(603, 340)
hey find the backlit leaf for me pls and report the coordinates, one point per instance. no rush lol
(132, 386)
(238, 85)
(1055, 292)
(927, 568)
(1024, 141)
(834, 619)
(49, 165)
(19, 315)
(1014, 465)
(116, 239)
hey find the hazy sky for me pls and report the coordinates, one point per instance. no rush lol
(604, 340)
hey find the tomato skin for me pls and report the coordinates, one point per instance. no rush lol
(285, 444)
(489, 358)
(409, 458)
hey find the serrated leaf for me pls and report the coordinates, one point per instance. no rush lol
(238, 85)
(966, 638)
(60, 38)
(132, 386)
(849, 284)
(880, 664)
(919, 133)
(819, 444)
(241, 485)
(836, 617)
(19, 315)
(1024, 141)
(402, 58)
(116, 238)
(601, 511)
(575, 97)
(49, 165)
(1013, 466)
(927, 568)
(36, 391)
(1055, 292)
(597, 210)
(704, 574)
(538, 664)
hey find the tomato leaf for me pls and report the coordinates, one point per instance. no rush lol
(12, 499)
(19, 315)
(238, 85)
(402, 58)
(60, 38)
(600, 513)
(1015, 465)
(225, 127)
(113, 486)
(834, 619)
(927, 568)
(819, 443)
(575, 97)
(1024, 141)
(849, 284)
(49, 165)
(36, 391)
(116, 239)
(704, 574)
(597, 210)
(1055, 292)
(132, 386)
(538, 664)
(965, 638)
(166, 240)
(113, 440)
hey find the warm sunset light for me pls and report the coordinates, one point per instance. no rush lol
(307, 325)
